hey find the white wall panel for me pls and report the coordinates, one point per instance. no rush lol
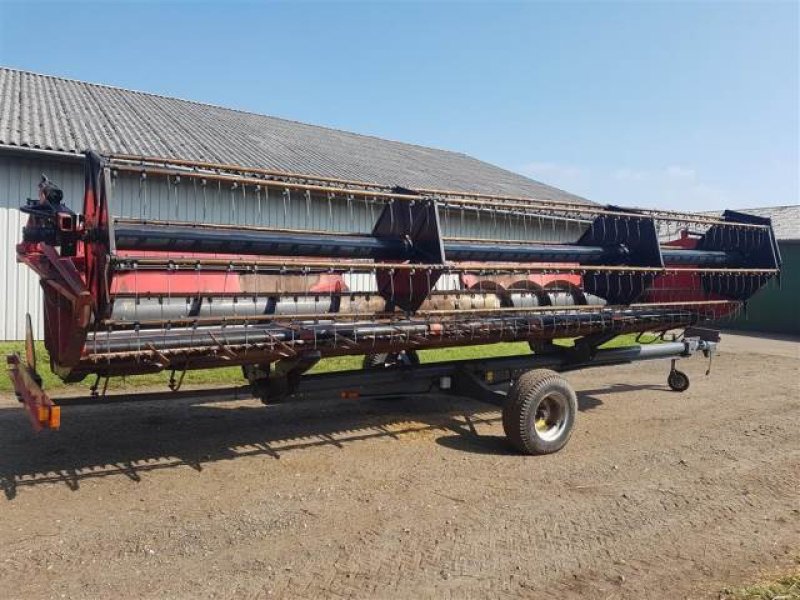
(19, 178)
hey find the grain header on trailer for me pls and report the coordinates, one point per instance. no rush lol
(274, 271)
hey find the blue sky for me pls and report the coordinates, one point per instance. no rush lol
(679, 105)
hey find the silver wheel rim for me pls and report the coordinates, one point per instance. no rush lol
(550, 417)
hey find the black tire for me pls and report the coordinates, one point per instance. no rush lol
(382, 360)
(539, 413)
(678, 381)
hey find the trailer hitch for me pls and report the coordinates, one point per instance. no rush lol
(43, 412)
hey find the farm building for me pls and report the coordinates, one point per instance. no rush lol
(47, 122)
(774, 309)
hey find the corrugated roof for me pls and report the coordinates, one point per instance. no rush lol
(52, 113)
(785, 219)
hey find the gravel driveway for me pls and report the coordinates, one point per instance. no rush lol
(657, 495)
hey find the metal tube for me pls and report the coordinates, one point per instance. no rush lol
(289, 265)
(162, 237)
(644, 352)
(701, 257)
(532, 252)
(199, 239)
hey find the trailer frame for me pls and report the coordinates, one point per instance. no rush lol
(490, 380)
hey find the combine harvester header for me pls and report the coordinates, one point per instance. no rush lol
(217, 265)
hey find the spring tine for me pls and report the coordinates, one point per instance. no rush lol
(350, 210)
(307, 195)
(411, 283)
(391, 281)
(169, 195)
(286, 196)
(143, 195)
(246, 207)
(524, 226)
(177, 182)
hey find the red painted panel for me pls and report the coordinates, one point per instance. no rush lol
(175, 282)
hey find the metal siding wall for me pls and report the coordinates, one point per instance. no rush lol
(158, 197)
(773, 309)
(457, 222)
(19, 178)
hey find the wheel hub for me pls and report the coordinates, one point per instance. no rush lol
(550, 417)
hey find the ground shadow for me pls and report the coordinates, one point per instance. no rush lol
(588, 400)
(135, 438)
(483, 444)
(132, 439)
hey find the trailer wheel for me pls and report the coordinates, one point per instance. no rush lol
(540, 411)
(378, 361)
(678, 381)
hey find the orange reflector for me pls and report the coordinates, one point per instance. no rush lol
(348, 394)
(55, 417)
(49, 416)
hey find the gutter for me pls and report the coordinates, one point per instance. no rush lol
(27, 151)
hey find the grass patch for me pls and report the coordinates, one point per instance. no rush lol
(785, 588)
(233, 375)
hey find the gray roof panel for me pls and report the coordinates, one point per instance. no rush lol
(52, 113)
(785, 219)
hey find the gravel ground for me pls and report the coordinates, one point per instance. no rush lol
(657, 495)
